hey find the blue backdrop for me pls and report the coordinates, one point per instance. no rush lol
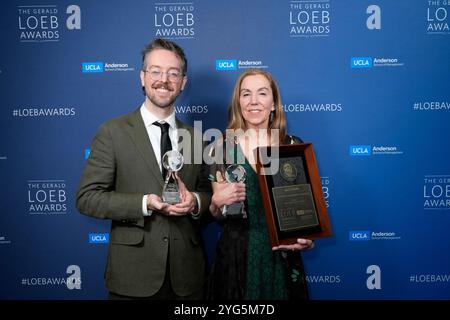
(367, 82)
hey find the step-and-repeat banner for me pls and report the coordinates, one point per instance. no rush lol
(367, 82)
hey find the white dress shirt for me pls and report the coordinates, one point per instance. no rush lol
(154, 132)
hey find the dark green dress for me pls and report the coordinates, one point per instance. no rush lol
(245, 267)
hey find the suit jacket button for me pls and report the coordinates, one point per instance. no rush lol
(165, 239)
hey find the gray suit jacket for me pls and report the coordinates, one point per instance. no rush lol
(122, 168)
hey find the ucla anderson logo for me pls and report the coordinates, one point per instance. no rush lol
(89, 67)
(360, 150)
(359, 235)
(361, 62)
(98, 237)
(222, 65)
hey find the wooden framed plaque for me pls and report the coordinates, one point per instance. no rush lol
(292, 193)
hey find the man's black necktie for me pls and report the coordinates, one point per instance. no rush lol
(166, 145)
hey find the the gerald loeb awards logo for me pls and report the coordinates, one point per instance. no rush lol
(436, 192)
(47, 197)
(326, 190)
(438, 17)
(174, 20)
(309, 18)
(44, 23)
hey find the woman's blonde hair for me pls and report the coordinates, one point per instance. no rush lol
(235, 118)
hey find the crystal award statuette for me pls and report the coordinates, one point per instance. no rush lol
(233, 174)
(172, 161)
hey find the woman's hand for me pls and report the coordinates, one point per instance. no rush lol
(228, 193)
(301, 245)
(225, 194)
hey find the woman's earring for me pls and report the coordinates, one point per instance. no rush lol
(271, 117)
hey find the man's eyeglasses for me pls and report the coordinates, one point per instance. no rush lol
(172, 75)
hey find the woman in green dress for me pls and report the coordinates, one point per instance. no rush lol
(245, 265)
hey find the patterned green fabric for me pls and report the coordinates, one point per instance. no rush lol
(265, 269)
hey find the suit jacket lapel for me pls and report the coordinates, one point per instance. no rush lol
(139, 135)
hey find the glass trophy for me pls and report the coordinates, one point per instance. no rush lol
(233, 174)
(172, 161)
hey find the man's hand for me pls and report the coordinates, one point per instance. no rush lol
(188, 202)
(187, 205)
(155, 203)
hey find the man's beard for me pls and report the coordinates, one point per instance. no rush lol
(162, 103)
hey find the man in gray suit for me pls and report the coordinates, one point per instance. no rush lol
(155, 248)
